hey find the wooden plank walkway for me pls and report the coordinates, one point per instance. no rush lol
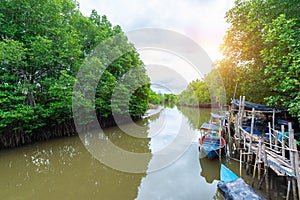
(270, 152)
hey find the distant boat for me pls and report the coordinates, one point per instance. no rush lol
(211, 143)
(234, 188)
(209, 127)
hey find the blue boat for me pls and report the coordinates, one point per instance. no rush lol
(227, 175)
(235, 188)
(211, 143)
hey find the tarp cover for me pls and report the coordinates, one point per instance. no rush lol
(238, 189)
(258, 107)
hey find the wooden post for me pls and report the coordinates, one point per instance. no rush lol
(240, 104)
(229, 134)
(220, 141)
(238, 121)
(267, 174)
(259, 158)
(241, 154)
(273, 119)
(282, 141)
(275, 133)
(288, 189)
(243, 107)
(254, 169)
(296, 168)
(270, 134)
(237, 132)
(292, 157)
(250, 144)
(252, 126)
(242, 112)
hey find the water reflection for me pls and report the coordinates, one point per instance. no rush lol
(210, 169)
(196, 117)
(64, 169)
(61, 169)
(181, 179)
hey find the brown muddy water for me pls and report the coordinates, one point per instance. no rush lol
(64, 169)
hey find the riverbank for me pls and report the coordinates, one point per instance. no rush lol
(154, 109)
(65, 129)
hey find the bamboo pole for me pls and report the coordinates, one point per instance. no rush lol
(259, 158)
(270, 134)
(220, 141)
(241, 154)
(283, 141)
(254, 169)
(243, 107)
(250, 144)
(238, 121)
(267, 174)
(229, 134)
(288, 189)
(296, 168)
(261, 181)
(275, 133)
(273, 118)
(292, 157)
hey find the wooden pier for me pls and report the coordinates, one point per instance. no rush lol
(275, 153)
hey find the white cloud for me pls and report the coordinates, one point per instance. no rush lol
(201, 20)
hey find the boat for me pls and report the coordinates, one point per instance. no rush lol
(232, 187)
(209, 127)
(211, 143)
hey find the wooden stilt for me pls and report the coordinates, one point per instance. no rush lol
(254, 169)
(229, 134)
(259, 158)
(261, 181)
(282, 142)
(241, 154)
(250, 143)
(292, 157)
(220, 150)
(288, 190)
(296, 167)
(267, 175)
(270, 134)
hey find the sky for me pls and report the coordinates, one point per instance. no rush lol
(199, 20)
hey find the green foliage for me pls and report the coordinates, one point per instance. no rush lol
(171, 98)
(261, 52)
(154, 98)
(196, 93)
(42, 46)
(243, 63)
(204, 92)
(282, 59)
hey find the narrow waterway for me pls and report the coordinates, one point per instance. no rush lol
(64, 169)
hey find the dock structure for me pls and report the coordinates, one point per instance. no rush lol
(273, 149)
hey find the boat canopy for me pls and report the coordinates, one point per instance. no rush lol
(238, 189)
(258, 107)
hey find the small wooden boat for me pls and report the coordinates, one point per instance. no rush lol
(234, 188)
(211, 143)
(209, 127)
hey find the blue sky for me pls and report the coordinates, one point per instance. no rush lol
(200, 20)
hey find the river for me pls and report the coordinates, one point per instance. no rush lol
(64, 169)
